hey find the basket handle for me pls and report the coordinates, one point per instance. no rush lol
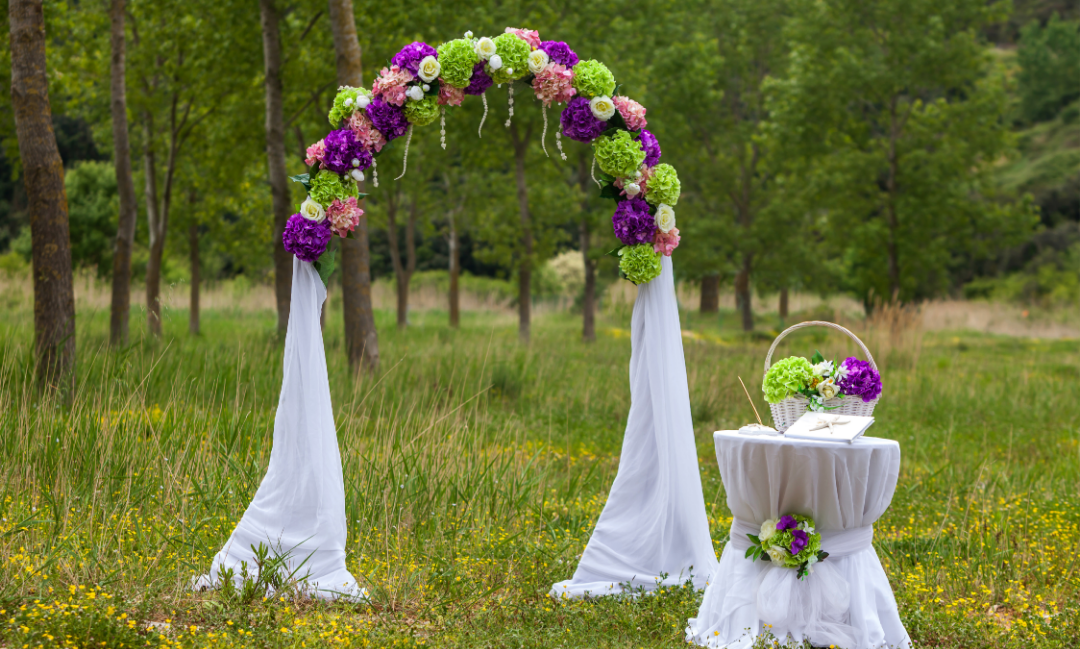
(819, 323)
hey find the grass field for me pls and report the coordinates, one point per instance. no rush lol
(475, 468)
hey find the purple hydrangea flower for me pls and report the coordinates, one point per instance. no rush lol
(342, 148)
(559, 52)
(578, 121)
(306, 239)
(480, 80)
(861, 380)
(410, 56)
(801, 540)
(632, 222)
(387, 118)
(787, 522)
(651, 147)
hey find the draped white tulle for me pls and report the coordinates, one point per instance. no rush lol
(847, 601)
(299, 509)
(653, 530)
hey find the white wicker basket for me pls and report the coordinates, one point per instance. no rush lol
(788, 411)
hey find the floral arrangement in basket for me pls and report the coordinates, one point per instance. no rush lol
(789, 542)
(422, 81)
(820, 381)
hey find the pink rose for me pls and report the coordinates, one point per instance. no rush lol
(365, 131)
(554, 84)
(390, 85)
(632, 112)
(666, 243)
(315, 153)
(530, 36)
(344, 217)
(449, 95)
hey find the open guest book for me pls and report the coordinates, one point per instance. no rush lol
(829, 427)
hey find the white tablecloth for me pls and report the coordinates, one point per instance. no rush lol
(845, 487)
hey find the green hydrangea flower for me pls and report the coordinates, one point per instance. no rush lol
(423, 112)
(457, 58)
(327, 185)
(619, 154)
(786, 377)
(340, 111)
(593, 79)
(639, 263)
(664, 186)
(514, 53)
(783, 539)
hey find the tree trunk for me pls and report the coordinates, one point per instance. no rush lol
(361, 339)
(153, 219)
(125, 231)
(196, 278)
(710, 294)
(521, 146)
(742, 294)
(588, 302)
(43, 178)
(455, 271)
(275, 157)
(783, 303)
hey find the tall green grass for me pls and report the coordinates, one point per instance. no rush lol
(475, 468)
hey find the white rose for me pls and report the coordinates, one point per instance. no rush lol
(495, 62)
(632, 189)
(824, 368)
(429, 68)
(538, 60)
(768, 528)
(426, 87)
(348, 102)
(415, 93)
(778, 555)
(312, 211)
(602, 107)
(468, 34)
(357, 175)
(828, 389)
(485, 48)
(665, 217)
(362, 102)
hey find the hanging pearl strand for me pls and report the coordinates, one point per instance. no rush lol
(592, 172)
(442, 126)
(480, 131)
(558, 143)
(543, 136)
(375, 171)
(405, 160)
(511, 116)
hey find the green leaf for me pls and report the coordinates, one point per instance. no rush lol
(822, 555)
(606, 177)
(754, 538)
(618, 122)
(749, 551)
(361, 196)
(303, 179)
(325, 265)
(610, 191)
(614, 253)
(817, 358)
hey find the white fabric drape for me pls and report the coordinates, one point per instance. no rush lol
(299, 509)
(847, 601)
(654, 523)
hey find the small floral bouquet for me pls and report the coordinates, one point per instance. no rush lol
(790, 542)
(820, 380)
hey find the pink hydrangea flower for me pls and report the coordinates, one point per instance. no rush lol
(390, 85)
(365, 131)
(315, 153)
(554, 84)
(449, 95)
(344, 216)
(632, 112)
(530, 36)
(666, 243)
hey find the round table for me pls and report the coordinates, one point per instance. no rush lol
(845, 488)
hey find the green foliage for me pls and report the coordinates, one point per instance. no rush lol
(93, 206)
(1049, 58)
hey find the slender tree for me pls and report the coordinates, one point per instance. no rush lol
(361, 339)
(125, 231)
(403, 272)
(520, 143)
(43, 176)
(588, 302)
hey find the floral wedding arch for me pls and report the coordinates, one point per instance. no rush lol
(415, 91)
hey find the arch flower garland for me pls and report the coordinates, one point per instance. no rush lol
(422, 81)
